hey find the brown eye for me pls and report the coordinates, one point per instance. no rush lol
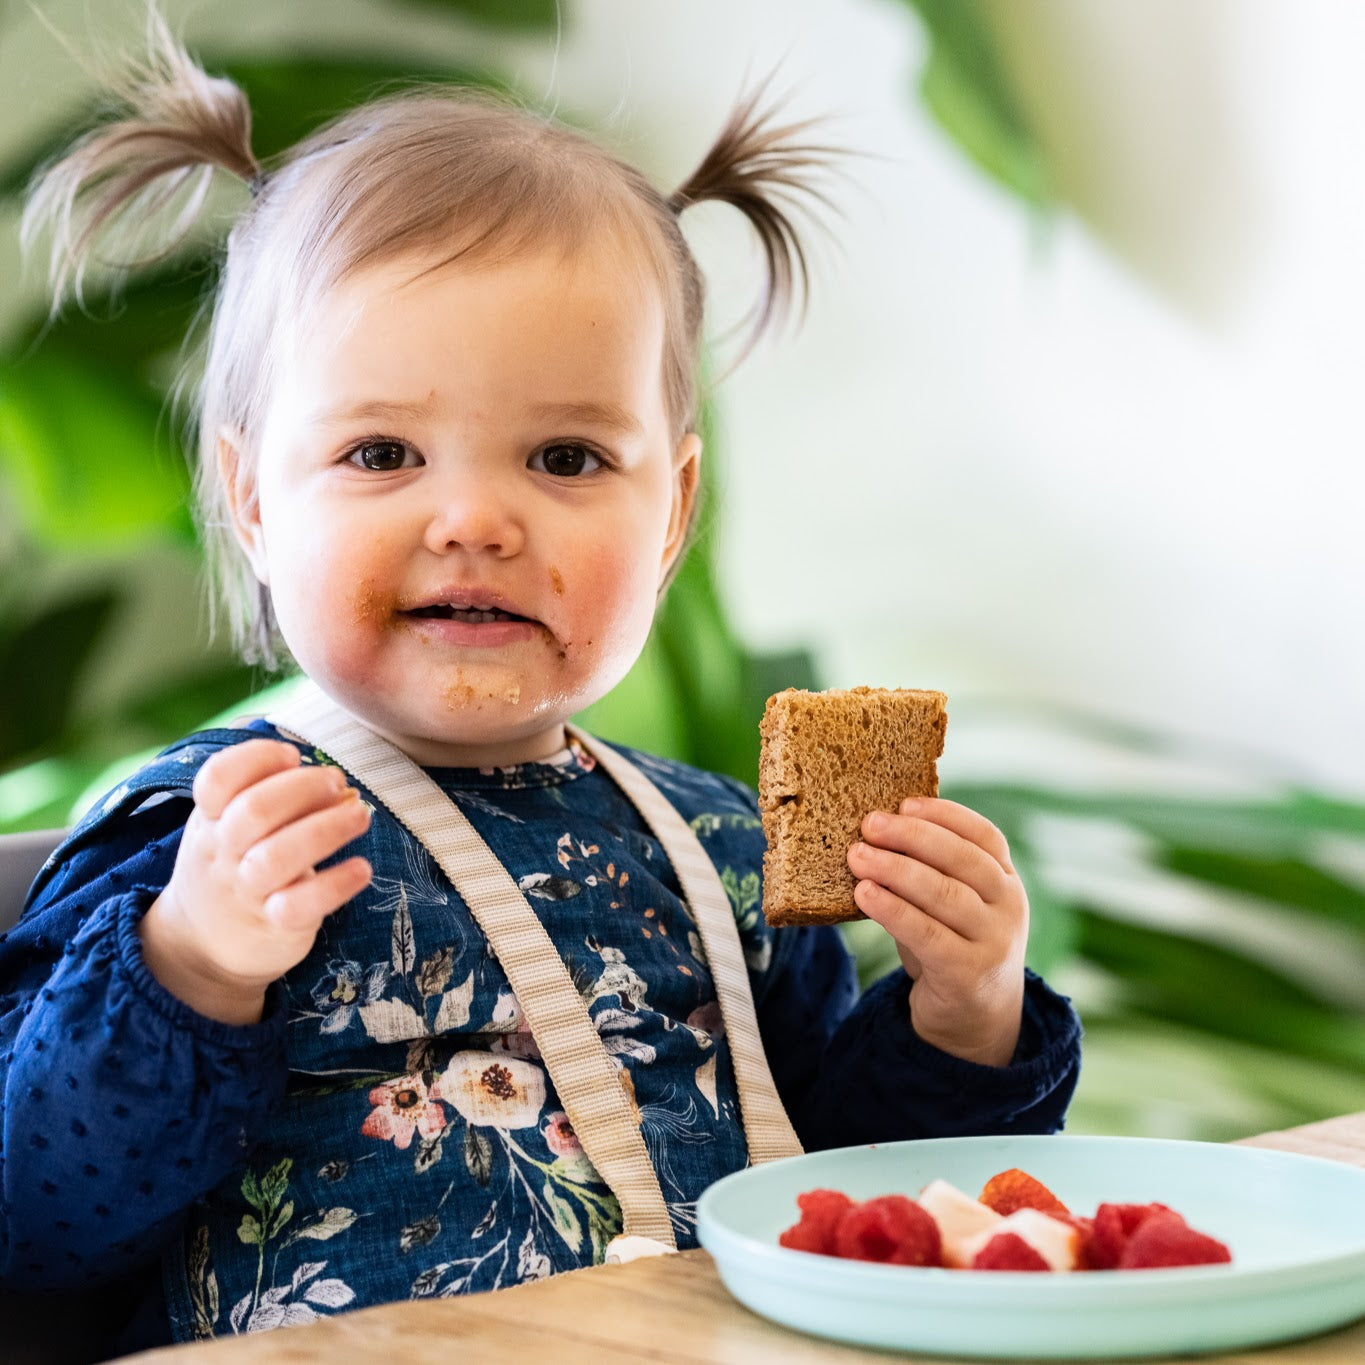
(566, 461)
(381, 456)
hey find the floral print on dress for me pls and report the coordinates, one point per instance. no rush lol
(272, 1302)
(404, 1107)
(346, 987)
(421, 1115)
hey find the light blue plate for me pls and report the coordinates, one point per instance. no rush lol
(1295, 1224)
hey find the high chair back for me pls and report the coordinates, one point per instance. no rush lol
(21, 855)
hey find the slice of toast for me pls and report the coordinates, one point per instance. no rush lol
(827, 759)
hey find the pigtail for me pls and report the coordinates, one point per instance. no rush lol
(765, 171)
(174, 127)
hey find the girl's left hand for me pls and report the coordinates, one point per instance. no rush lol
(938, 878)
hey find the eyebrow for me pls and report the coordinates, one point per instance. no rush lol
(375, 408)
(602, 414)
(611, 415)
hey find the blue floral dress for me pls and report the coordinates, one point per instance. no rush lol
(388, 1130)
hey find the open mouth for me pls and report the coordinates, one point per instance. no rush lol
(441, 611)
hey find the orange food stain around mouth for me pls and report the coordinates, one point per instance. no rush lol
(373, 608)
(556, 581)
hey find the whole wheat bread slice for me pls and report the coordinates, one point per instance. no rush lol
(827, 759)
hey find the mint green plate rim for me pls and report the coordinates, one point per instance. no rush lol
(1296, 1226)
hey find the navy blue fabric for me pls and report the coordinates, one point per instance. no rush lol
(387, 1129)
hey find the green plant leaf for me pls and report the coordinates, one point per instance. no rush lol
(965, 86)
(874, 950)
(183, 703)
(291, 96)
(1053, 931)
(1185, 980)
(514, 14)
(1158, 1079)
(42, 660)
(1281, 881)
(136, 336)
(1274, 828)
(42, 795)
(81, 453)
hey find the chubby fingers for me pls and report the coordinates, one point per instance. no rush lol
(938, 860)
(304, 904)
(963, 821)
(277, 800)
(294, 850)
(231, 771)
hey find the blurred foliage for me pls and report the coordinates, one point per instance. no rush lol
(1188, 1033)
(966, 86)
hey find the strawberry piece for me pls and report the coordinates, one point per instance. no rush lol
(821, 1211)
(1008, 1251)
(1113, 1226)
(1166, 1239)
(891, 1229)
(1016, 1189)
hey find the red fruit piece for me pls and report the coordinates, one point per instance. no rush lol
(1113, 1226)
(1085, 1245)
(1166, 1239)
(891, 1229)
(1016, 1189)
(820, 1214)
(1008, 1251)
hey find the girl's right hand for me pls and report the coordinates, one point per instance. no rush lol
(245, 899)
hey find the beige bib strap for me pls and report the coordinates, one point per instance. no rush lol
(589, 1083)
(766, 1126)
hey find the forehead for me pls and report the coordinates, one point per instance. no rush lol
(548, 318)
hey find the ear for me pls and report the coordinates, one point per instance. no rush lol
(237, 474)
(686, 483)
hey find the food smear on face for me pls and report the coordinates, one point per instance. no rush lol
(556, 581)
(457, 694)
(370, 607)
(1017, 1223)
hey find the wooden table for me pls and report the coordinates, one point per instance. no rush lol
(670, 1309)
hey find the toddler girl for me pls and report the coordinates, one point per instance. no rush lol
(413, 989)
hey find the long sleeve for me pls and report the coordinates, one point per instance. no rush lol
(121, 1104)
(856, 1072)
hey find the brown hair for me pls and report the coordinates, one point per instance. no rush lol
(441, 168)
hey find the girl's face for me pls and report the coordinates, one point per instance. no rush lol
(466, 496)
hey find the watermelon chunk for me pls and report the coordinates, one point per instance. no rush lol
(1166, 1239)
(821, 1211)
(891, 1229)
(1008, 1251)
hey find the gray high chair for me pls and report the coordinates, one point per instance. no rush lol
(21, 855)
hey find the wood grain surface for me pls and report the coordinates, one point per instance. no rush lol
(670, 1309)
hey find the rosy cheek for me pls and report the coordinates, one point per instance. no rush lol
(612, 602)
(344, 610)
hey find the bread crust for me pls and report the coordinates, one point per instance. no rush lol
(825, 760)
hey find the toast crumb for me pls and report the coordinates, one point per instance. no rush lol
(825, 760)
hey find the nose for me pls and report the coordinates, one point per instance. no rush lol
(477, 515)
